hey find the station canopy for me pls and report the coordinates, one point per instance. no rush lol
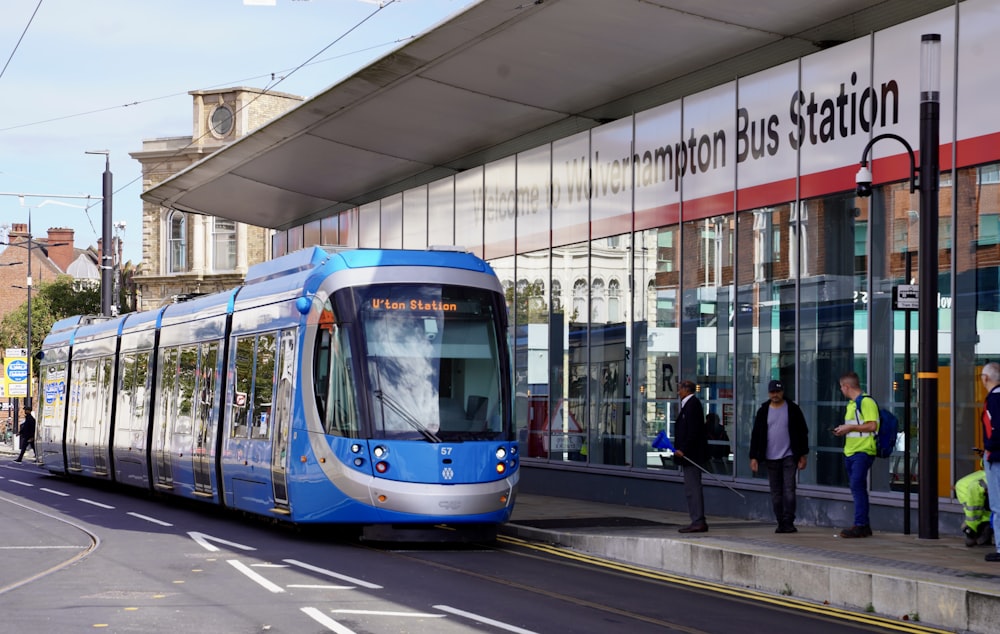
(501, 77)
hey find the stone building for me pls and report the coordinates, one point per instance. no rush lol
(186, 253)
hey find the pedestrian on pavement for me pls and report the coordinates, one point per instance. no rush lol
(991, 454)
(26, 433)
(780, 440)
(859, 427)
(691, 447)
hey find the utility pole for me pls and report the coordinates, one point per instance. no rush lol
(107, 249)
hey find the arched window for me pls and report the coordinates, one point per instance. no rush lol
(556, 296)
(597, 301)
(614, 301)
(177, 253)
(579, 300)
(223, 244)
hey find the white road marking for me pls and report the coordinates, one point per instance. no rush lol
(22, 483)
(254, 576)
(336, 575)
(103, 506)
(150, 519)
(319, 587)
(54, 492)
(42, 547)
(420, 615)
(202, 540)
(269, 566)
(326, 621)
(483, 619)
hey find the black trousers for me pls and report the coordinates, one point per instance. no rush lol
(781, 479)
(24, 447)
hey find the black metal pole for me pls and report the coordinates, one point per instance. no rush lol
(927, 372)
(908, 395)
(27, 397)
(107, 257)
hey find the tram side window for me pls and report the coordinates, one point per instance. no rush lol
(244, 383)
(107, 376)
(141, 391)
(207, 376)
(188, 363)
(88, 409)
(126, 391)
(263, 387)
(340, 417)
(55, 398)
(167, 392)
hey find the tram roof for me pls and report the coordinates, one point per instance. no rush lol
(502, 77)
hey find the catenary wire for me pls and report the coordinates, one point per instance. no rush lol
(20, 39)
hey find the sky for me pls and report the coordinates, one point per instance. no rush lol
(82, 76)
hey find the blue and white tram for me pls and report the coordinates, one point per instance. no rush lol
(367, 387)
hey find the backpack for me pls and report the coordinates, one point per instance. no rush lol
(888, 429)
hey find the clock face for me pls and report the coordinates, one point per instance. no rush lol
(222, 120)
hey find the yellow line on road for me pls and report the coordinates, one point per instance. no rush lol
(738, 592)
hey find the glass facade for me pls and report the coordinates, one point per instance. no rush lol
(686, 243)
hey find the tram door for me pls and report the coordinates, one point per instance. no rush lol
(167, 417)
(282, 417)
(100, 442)
(204, 422)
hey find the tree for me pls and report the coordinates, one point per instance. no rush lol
(51, 301)
(531, 307)
(126, 287)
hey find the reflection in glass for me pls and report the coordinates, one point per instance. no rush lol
(433, 362)
(707, 305)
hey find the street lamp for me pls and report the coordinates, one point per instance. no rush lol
(926, 180)
(107, 261)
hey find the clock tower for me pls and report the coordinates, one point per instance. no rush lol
(185, 254)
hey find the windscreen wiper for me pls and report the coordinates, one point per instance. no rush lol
(387, 401)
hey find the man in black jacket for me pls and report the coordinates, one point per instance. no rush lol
(691, 446)
(780, 439)
(26, 434)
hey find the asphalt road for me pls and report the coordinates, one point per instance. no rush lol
(78, 557)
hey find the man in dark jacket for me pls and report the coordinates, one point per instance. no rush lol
(991, 438)
(26, 434)
(780, 440)
(691, 446)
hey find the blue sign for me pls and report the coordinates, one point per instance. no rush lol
(54, 391)
(17, 370)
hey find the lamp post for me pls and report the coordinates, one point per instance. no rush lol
(926, 180)
(927, 269)
(107, 259)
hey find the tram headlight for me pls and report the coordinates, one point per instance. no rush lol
(358, 462)
(501, 453)
(355, 448)
(379, 451)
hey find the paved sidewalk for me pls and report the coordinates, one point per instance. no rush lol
(941, 582)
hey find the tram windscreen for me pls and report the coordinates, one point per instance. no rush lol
(433, 362)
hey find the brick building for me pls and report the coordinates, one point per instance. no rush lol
(185, 253)
(52, 255)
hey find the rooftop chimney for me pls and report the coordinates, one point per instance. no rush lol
(63, 254)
